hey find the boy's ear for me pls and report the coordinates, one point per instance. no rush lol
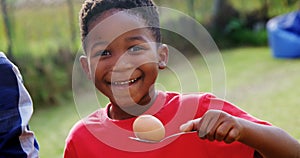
(85, 65)
(163, 52)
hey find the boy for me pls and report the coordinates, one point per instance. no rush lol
(123, 56)
(16, 140)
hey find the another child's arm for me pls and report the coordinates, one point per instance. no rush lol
(16, 108)
(269, 141)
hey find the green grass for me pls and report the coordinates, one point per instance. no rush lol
(265, 87)
(51, 127)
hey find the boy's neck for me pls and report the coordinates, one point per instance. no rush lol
(117, 113)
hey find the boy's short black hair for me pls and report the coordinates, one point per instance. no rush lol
(94, 8)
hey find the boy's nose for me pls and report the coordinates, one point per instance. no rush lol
(123, 63)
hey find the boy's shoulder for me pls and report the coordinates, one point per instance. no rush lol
(4, 62)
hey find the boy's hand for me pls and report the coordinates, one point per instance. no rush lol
(215, 125)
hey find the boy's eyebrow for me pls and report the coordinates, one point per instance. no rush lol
(136, 38)
(128, 39)
(99, 43)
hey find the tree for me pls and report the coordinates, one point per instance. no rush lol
(191, 9)
(7, 27)
(223, 13)
(72, 22)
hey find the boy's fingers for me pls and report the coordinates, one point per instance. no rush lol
(232, 136)
(191, 125)
(187, 126)
(209, 124)
(222, 131)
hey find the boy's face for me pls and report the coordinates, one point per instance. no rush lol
(123, 59)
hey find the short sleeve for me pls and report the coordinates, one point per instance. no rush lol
(209, 101)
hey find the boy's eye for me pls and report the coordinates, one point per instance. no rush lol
(136, 49)
(103, 53)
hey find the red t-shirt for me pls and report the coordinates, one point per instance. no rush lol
(99, 136)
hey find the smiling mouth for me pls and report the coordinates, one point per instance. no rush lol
(125, 83)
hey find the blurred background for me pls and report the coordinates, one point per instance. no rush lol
(42, 38)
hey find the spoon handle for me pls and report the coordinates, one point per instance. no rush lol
(152, 141)
(177, 134)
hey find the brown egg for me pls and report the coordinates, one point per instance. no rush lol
(148, 127)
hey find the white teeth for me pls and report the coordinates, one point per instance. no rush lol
(124, 82)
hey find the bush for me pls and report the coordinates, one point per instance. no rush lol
(47, 77)
(249, 37)
(236, 33)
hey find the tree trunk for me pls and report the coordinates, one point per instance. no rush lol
(7, 27)
(72, 23)
(191, 9)
(217, 7)
(222, 14)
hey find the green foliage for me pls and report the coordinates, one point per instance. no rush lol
(47, 77)
(246, 6)
(43, 50)
(41, 30)
(201, 8)
(237, 34)
(249, 37)
(249, 27)
(173, 39)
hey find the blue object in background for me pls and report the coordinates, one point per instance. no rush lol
(284, 35)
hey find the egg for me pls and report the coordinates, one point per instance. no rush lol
(148, 127)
